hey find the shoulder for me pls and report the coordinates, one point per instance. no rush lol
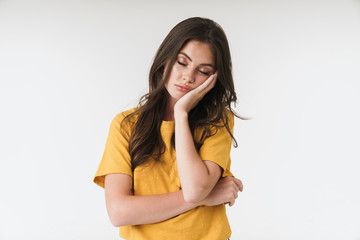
(122, 115)
(230, 115)
(127, 114)
(227, 119)
(218, 125)
(124, 121)
(225, 125)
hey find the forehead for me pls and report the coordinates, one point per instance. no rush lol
(199, 52)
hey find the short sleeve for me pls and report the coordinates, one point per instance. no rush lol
(116, 157)
(217, 147)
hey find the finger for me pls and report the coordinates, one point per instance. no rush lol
(239, 184)
(208, 84)
(211, 85)
(215, 79)
(235, 195)
(233, 185)
(233, 182)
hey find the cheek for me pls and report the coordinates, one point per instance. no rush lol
(200, 80)
(172, 77)
(176, 71)
(174, 74)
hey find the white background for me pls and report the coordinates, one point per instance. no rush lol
(68, 67)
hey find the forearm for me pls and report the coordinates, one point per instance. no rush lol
(194, 175)
(135, 210)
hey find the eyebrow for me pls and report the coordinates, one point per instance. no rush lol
(203, 64)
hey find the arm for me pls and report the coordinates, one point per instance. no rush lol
(197, 177)
(126, 209)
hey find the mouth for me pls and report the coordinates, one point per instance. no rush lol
(183, 88)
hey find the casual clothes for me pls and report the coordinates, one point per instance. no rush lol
(154, 177)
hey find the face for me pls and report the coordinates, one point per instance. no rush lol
(194, 64)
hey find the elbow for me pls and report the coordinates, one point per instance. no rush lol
(194, 195)
(118, 216)
(192, 199)
(116, 222)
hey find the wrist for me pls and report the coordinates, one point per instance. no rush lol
(180, 115)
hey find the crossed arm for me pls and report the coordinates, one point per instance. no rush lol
(200, 183)
(200, 180)
(124, 208)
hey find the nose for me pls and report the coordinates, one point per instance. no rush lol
(188, 76)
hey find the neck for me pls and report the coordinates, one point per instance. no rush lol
(169, 114)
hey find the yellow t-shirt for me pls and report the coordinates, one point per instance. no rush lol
(208, 223)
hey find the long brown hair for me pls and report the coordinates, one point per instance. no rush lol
(145, 141)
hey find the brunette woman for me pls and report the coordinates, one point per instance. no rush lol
(166, 164)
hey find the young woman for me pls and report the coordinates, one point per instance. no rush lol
(166, 164)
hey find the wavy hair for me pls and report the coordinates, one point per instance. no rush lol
(145, 141)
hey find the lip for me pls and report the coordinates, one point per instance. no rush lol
(183, 88)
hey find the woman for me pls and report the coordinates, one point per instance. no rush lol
(166, 164)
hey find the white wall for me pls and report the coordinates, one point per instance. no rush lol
(67, 67)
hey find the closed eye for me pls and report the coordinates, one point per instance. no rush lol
(205, 73)
(181, 63)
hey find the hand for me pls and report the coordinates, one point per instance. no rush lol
(193, 97)
(225, 191)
